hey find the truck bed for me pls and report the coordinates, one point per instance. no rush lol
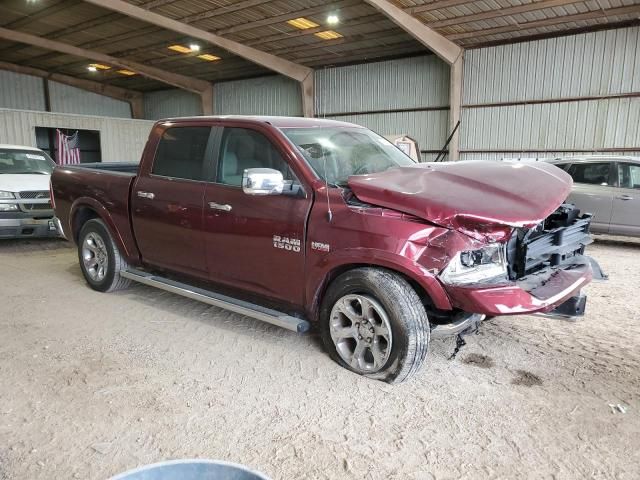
(105, 187)
(120, 167)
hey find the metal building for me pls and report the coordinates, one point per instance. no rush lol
(530, 79)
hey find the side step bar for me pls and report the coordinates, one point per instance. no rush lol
(234, 305)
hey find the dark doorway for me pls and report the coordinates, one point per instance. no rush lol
(89, 143)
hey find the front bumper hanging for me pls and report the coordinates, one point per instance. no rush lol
(571, 309)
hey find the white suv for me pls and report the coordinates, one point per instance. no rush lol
(25, 206)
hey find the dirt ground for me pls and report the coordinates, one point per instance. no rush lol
(94, 384)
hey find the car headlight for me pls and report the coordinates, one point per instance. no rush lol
(476, 266)
(8, 207)
(4, 194)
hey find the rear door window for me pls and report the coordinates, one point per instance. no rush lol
(182, 153)
(592, 173)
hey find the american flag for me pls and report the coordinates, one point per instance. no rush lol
(68, 148)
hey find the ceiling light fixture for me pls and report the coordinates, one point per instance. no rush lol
(333, 19)
(100, 66)
(302, 23)
(328, 35)
(128, 73)
(179, 48)
(91, 68)
(208, 57)
(194, 48)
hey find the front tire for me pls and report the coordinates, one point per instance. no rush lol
(100, 259)
(373, 323)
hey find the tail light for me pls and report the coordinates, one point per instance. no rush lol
(52, 199)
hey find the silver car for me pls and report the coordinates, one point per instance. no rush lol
(609, 188)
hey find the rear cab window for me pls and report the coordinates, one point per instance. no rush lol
(181, 153)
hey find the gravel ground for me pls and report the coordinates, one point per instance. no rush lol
(94, 384)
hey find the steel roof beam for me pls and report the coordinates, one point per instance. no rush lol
(177, 80)
(280, 65)
(201, 87)
(134, 98)
(438, 44)
(443, 48)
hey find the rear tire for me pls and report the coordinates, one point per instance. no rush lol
(373, 323)
(100, 259)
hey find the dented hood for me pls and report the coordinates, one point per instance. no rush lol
(470, 194)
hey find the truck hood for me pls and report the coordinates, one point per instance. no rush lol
(24, 182)
(470, 194)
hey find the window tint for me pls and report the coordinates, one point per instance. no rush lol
(629, 175)
(181, 153)
(591, 173)
(243, 148)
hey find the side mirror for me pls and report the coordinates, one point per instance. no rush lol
(262, 181)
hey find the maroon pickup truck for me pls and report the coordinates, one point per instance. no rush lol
(302, 221)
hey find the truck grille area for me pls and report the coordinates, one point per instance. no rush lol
(552, 243)
(35, 194)
(40, 195)
(37, 206)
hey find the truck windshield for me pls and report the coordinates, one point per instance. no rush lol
(25, 162)
(336, 153)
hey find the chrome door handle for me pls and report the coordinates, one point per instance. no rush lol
(625, 197)
(219, 206)
(148, 195)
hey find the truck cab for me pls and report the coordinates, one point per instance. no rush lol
(318, 223)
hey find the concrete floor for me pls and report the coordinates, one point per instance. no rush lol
(94, 384)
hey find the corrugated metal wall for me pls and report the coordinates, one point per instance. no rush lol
(538, 97)
(581, 125)
(120, 139)
(26, 92)
(67, 99)
(578, 93)
(21, 91)
(171, 103)
(379, 96)
(273, 95)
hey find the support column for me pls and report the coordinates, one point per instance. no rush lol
(207, 100)
(455, 104)
(137, 107)
(307, 91)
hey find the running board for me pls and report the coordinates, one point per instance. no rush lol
(234, 305)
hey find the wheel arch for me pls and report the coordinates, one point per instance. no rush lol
(424, 283)
(85, 209)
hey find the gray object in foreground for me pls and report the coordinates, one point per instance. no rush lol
(192, 470)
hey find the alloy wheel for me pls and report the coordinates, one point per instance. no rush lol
(361, 332)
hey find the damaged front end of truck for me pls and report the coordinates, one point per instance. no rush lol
(512, 246)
